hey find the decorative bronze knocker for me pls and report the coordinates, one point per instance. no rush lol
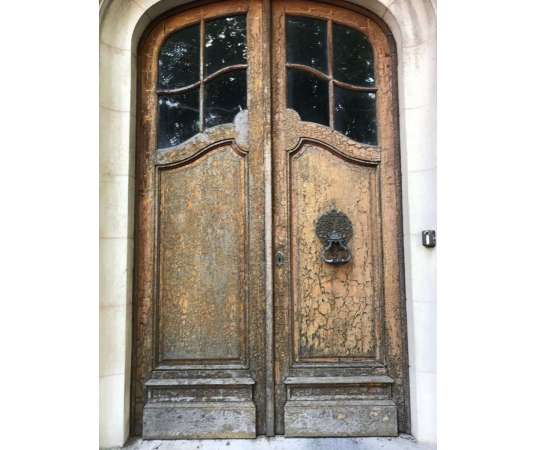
(335, 230)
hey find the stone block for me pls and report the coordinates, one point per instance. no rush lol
(341, 418)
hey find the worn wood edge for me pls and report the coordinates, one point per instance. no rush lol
(316, 403)
(200, 382)
(364, 379)
(266, 57)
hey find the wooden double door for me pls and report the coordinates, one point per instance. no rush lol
(268, 294)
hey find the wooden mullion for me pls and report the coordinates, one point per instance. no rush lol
(331, 88)
(202, 75)
(317, 73)
(177, 90)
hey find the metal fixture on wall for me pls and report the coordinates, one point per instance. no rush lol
(429, 238)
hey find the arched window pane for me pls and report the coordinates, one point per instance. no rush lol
(178, 117)
(225, 96)
(355, 115)
(308, 95)
(306, 42)
(353, 59)
(225, 43)
(178, 61)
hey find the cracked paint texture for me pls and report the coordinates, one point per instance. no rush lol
(334, 306)
(202, 258)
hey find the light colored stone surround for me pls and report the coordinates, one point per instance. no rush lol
(413, 25)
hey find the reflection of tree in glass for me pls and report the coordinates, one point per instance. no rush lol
(308, 96)
(178, 61)
(225, 43)
(178, 117)
(306, 42)
(355, 115)
(353, 56)
(225, 97)
(178, 66)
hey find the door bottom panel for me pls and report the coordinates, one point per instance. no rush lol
(340, 418)
(199, 409)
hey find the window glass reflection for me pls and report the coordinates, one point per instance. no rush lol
(353, 59)
(225, 96)
(306, 42)
(355, 115)
(178, 117)
(178, 60)
(308, 96)
(225, 43)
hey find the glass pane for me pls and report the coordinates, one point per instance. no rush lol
(308, 96)
(355, 115)
(178, 117)
(225, 96)
(353, 57)
(178, 62)
(306, 42)
(225, 43)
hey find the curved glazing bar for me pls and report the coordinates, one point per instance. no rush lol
(202, 78)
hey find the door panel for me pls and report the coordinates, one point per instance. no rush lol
(202, 259)
(334, 308)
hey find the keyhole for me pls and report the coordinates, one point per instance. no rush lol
(279, 258)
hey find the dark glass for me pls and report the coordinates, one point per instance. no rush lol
(306, 42)
(355, 115)
(178, 117)
(225, 43)
(353, 59)
(178, 61)
(308, 96)
(225, 96)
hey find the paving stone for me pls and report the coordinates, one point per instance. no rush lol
(403, 442)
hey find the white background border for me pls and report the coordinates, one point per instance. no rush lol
(486, 245)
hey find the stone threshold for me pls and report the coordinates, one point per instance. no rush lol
(403, 442)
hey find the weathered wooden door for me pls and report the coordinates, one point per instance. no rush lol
(340, 337)
(268, 294)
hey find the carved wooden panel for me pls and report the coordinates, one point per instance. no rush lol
(334, 308)
(202, 241)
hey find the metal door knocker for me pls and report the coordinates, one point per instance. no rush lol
(335, 230)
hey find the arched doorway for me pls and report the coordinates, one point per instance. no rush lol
(267, 158)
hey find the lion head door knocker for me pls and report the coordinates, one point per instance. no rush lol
(334, 229)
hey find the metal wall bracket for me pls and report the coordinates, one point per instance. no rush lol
(429, 238)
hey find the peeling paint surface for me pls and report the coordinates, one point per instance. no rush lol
(334, 305)
(202, 258)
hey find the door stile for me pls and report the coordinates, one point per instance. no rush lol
(281, 273)
(261, 195)
(266, 64)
